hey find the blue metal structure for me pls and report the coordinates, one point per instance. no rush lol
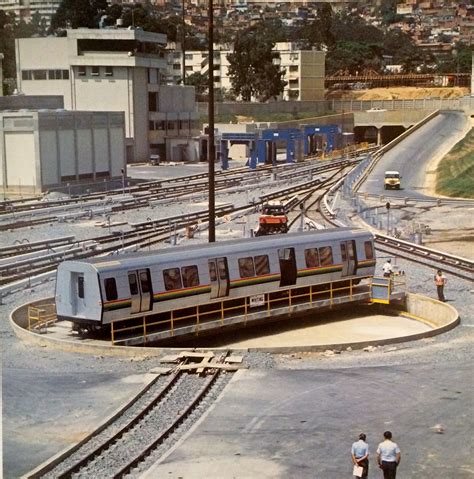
(320, 138)
(266, 144)
(248, 139)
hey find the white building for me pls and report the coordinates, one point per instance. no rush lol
(111, 70)
(304, 69)
(25, 9)
(50, 148)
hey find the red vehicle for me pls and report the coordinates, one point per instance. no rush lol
(273, 220)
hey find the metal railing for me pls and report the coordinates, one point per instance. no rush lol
(284, 300)
(41, 316)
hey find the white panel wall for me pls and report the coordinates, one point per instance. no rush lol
(66, 153)
(105, 94)
(20, 152)
(117, 152)
(101, 149)
(49, 158)
(84, 151)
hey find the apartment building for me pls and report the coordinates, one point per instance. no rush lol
(25, 9)
(304, 69)
(111, 70)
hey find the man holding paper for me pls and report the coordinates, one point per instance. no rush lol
(360, 457)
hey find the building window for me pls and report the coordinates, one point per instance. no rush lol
(95, 71)
(293, 83)
(176, 66)
(293, 68)
(189, 68)
(151, 125)
(110, 289)
(160, 125)
(171, 125)
(152, 101)
(39, 74)
(109, 71)
(81, 71)
(26, 75)
(65, 74)
(188, 56)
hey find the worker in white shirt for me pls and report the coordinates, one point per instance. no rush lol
(387, 268)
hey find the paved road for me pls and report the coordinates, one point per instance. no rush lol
(301, 424)
(411, 156)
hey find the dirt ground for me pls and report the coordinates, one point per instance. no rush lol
(399, 93)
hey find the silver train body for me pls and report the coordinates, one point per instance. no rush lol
(93, 293)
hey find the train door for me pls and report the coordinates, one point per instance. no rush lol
(141, 291)
(288, 269)
(78, 294)
(349, 258)
(219, 275)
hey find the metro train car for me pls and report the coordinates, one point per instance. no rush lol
(96, 292)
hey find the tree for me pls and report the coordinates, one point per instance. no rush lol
(78, 13)
(252, 70)
(200, 83)
(7, 47)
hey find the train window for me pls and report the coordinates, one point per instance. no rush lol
(311, 257)
(246, 267)
(212, 271)
(190, 276)
(343, 252)
(110, 289)
(145, 281)
(222, 266)
(132, 281)
(172, 278)
(80, 286)
(369, 249)
(262, 265)
(325, 255)
(285, 253)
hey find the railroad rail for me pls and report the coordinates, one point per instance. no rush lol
(455, 265)
(149, 424)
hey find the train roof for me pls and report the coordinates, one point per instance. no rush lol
(221, 248)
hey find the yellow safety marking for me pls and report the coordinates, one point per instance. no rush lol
(418, 318)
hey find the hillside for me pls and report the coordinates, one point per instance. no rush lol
(398, 93)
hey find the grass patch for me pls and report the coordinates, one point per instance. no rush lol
(455, 172)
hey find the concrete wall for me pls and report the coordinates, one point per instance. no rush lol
(49, 53)
(40, 150)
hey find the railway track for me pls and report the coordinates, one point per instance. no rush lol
(454, 265)
(149, 425)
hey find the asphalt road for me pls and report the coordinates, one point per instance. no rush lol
(411, 156)
(301, 424)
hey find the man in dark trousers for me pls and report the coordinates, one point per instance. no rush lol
(360, 455)
(440, 281)
(388, 456)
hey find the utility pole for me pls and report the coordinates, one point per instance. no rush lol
(183, 39)
(211, 147)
